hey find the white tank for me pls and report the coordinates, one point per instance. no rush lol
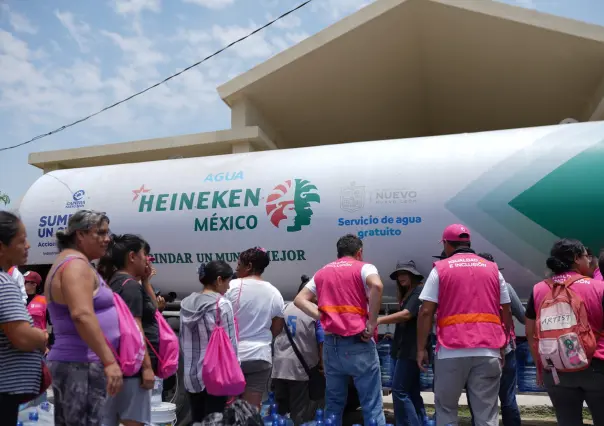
(516, 190)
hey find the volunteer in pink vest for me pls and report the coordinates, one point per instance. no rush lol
(469, 297)
(349, 295)
(36, 303)
(568, 259)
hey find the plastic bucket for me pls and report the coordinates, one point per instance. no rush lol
(163, 414)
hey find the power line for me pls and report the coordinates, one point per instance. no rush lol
(165, 80)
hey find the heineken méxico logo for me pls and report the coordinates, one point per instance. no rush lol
(288, 206)
(290, 203)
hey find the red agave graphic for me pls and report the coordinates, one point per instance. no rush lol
(292, 199)
(276, 203)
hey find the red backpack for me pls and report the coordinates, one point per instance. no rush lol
(565, 339)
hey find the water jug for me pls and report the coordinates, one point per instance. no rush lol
(384, 348)
(526, 370)
(266, 405)
(156, 393)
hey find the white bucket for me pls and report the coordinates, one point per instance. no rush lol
(163, 414)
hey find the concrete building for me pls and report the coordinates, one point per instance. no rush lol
(396, 69)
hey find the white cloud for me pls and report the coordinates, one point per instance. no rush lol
(289, 22)
(211, 4)
(125, 7)
(192, 36)
(529, 4)
(20, 23)
(297, 37)
(79, 31)
(139, 52)
(255, 46)
(337, 9)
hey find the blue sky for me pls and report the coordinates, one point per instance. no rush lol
(61, 59)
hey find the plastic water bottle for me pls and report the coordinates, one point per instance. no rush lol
(34, 416)
(156, 393)
(329, 422)
(266, 405)
(373, 422)
(318, 421)
(384, 348)
(272, 416)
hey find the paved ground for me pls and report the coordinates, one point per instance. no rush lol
(536, 409)
(524, 400)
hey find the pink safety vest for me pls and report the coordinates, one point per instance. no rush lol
(591, 291)
(469, 303)
(342, 297)
(37, 310)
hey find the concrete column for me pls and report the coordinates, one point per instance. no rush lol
(51, 167)
(241, 147)
(244, 113)
(595, 107)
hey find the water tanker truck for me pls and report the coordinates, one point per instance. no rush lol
(517, 190)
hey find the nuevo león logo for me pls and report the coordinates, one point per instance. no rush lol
(291, 202)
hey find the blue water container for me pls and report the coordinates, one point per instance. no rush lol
(426, 379)
(265, 408)
(526, 370)
(384, 348)
(272, 416)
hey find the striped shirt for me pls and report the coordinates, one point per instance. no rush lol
(20, 372)
(197, 321)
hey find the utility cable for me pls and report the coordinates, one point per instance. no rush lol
(165, 80)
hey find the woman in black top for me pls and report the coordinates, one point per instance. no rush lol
(408, 403)
(124, 265)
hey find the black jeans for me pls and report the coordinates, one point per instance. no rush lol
(292, 397)
(203, 403)
(9, 408)
(574, 389)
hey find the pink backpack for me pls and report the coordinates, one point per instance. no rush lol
(132, 345)
(221, 372)
(169, 349)
(167, 358)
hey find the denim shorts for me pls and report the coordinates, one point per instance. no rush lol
(132, 403)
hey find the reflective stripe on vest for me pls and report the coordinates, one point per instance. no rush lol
(468, 318)
(344, 309)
